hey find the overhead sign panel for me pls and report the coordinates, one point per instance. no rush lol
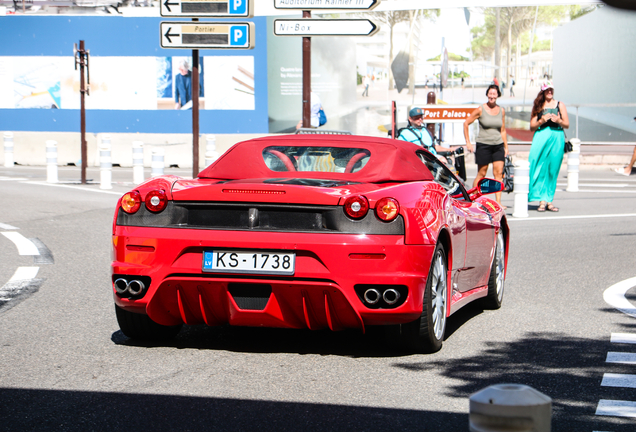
(324, 27)
(201, 35)
(207, 8)
(326, 4)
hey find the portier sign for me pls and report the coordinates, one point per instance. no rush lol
(201, 35)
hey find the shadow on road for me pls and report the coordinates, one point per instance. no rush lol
(568, 369)
(43, 410)
(378, 341)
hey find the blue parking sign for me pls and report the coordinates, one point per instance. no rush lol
(238, 7)
(238, 35)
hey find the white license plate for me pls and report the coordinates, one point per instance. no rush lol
(263, 262)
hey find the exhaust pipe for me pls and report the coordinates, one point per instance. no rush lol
(372, 296)
(136, 287)
(121, 286)
(391, 296)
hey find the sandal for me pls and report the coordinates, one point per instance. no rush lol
(552, 208)
(541, 207)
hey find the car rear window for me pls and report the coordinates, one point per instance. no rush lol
(315, 159)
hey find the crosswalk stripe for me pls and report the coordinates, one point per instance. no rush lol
(628, 338)
(7, 226)
(616, 408)
(619, 380)
(621, 357)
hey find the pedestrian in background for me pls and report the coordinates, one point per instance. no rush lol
(492, 141)
(548, 119)
(512, 85)
(315, 105)
(628, 169)
(365, 83)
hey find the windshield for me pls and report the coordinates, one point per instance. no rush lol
(315, 159)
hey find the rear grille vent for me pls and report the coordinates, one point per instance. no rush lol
(260, 217)
(250, 296)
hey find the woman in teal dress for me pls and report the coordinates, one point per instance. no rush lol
(549, 118)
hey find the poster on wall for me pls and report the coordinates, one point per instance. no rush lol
(36, 82)
(174, 83)
(6, 82)
(230, 83)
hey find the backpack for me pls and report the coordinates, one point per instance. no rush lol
(399, 132)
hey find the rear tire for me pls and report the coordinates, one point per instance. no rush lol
(141, 327)
(497, 272)
(426, 334)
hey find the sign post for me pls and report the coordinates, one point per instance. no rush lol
(206, 35)
(81, 59)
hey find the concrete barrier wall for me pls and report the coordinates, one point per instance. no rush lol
(30, 147)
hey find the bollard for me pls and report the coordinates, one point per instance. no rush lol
(138, 162)
(210, 150)
(573, 165)
(8, 149)
(51, 161)
(105, 164)
(157, 164)
(510, 407)
(522, 187)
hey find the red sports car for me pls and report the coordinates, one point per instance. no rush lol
(309, 231)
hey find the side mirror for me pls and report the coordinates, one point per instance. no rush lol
(484, 187)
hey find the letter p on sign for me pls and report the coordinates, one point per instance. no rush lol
(237, 7)
(238, 35)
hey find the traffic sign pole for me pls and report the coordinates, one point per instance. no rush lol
(306, 77)
(195, 111)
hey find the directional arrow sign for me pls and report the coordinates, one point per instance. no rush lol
(324, 27)
(207, 8)
(325, 4)
(201, 35)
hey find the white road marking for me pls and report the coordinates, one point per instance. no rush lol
(619, 380)
(7, 226)
(628, 338)
(616, 408)
(618, 185)
(546, 218)
(24, 245)
(621, 357)
(24, 273)
(74, 187)
(602, 191)
(2, 178)
(615, 296)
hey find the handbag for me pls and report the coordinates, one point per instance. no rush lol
(322, 117)
(567, 147)
(508, 175)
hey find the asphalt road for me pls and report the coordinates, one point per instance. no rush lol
(66, 366)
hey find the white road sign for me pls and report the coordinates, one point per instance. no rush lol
(219, 35)
(207, 8)
(324, 27)
(326, 4)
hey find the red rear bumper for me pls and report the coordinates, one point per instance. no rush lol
(321, 293)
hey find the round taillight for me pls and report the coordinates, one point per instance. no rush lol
(156, 200)
(387, 209)
(356, 207)
(131, 202)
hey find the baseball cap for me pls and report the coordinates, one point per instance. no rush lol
(546, 85)
(416, 111)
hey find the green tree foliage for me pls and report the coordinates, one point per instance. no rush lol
(451, 57)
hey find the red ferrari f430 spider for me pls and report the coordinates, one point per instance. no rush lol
(309, 232)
